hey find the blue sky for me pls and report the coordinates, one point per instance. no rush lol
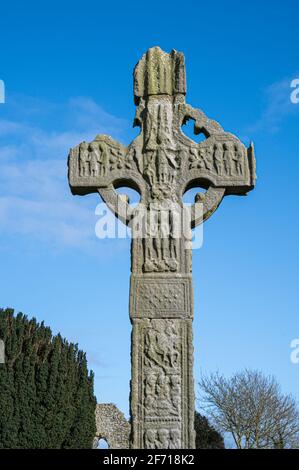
(67, 67)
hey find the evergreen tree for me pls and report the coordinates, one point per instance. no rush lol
(206, 436)
(46, 391)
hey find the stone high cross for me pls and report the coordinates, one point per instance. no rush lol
(162, 163)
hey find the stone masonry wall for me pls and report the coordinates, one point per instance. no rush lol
(112, 426)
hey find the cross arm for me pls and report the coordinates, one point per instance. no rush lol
(221, 163)
(102, 166)
(221, 160)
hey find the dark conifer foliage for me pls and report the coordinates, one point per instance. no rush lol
(206, 436)
(46, 391)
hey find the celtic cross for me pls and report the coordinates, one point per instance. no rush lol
(162, 163)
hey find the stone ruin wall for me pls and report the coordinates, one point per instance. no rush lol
(112, 426)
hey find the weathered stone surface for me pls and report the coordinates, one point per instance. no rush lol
(162, 163)
(162, 384)
(112, 426)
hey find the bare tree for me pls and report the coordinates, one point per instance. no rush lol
(251, 407)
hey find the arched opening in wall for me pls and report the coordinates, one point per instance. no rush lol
(102, 444)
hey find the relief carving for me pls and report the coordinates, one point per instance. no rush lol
(116, 160)
(161, 297)
(93, 159)
(162, 345)
(160, 151)
(218, 154)
(162, 439)
(224, 159)
(162, 395)
(238, 160)
(162, 363)
(84, 160)
(161, 242)
(150, 439)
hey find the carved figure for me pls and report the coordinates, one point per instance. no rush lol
(84, 159)
(218, 158)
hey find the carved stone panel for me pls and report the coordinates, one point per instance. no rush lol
(162, 385)
(161, 297)
(100, 163)
(220, 158)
